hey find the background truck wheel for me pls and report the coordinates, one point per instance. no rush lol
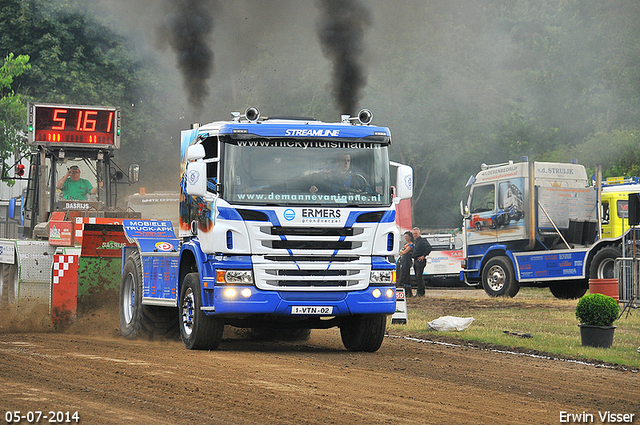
(498, 278)
(602, 265)
(197, 330)
(363, 333)
(137, 320)
(569, 289)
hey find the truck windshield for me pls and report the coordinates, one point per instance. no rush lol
(293, 175)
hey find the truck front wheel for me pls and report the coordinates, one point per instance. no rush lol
(197, 330)
(498, 278)
(363, 333)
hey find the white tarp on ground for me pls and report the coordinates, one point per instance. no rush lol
(450, 323)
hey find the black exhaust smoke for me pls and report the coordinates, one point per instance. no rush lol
(187, 28)
(341, 31)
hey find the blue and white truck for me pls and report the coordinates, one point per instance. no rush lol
(535, 223)
(285, 224)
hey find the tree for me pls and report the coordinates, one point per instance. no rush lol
(12, 111)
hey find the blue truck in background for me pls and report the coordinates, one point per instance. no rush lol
(285, 224)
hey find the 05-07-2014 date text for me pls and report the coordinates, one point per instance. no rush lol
(38, 416)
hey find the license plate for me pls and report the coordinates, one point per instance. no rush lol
(312, 310)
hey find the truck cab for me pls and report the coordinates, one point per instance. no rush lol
(615, 204)
(529, 223)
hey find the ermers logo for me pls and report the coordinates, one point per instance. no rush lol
(320, 213)
(289, 214)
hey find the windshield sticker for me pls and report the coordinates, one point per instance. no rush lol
(304, 144)
(312, 198)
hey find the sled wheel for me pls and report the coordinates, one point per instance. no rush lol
(8, 284)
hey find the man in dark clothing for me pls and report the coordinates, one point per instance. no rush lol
(421, 249)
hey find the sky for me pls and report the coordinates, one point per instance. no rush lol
(203, 44)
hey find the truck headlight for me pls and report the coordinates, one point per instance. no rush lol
(232, 293)
(234, 277)
(383, 277)
(377, 293)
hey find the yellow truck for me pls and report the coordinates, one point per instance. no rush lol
(615, 204)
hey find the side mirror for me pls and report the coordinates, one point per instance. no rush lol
(464, 210)
(404, 182)
(195, 152)
(134, 173)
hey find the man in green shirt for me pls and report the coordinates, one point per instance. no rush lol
(73, 187)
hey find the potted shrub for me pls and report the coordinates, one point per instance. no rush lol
(596, 313)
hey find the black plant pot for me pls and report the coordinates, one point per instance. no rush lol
(597, 336)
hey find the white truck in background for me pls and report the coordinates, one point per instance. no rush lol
(535, 223)
(154, 205)
(444, 262)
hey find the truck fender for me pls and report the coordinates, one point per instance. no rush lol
(191, 260)
(497, 250)
(501, 278)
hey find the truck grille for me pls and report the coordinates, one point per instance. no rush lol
(331, 245)
(315, 258)
(310, 272)
(312, 238)
(302, 258)
(332, 273)
(324, 278)
(313, 231)
(313, 283)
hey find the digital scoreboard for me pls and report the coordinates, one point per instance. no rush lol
(73, 126)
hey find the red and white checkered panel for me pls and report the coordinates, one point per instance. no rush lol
(65, 266)
(64, 289)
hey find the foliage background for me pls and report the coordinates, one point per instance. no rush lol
(459, 82)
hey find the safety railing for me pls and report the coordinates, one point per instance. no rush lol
(627, 271)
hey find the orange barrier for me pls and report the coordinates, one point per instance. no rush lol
(605, 286)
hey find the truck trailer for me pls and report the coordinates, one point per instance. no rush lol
(284, 224)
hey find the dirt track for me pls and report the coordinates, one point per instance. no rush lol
(109, 380)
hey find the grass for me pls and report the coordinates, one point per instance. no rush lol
(552, 323)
